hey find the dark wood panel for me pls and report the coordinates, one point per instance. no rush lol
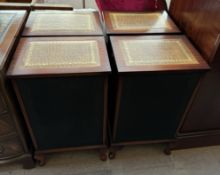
(203, 114)
(3, 107)
(200, 20)
(6, 125)
(10, 148)
(195, 141)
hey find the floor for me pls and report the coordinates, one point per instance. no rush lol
(135, 160)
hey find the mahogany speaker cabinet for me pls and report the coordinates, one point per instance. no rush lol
(156, 76)
(13, 145)
(118, 23)
(63, 23)
(200, 126)
(62, 84)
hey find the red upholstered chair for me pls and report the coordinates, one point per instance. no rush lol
(131, 5)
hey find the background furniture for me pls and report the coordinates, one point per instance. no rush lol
(13, 145)
(200, 125)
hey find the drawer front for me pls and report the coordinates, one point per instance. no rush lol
(6, 125)
(2, 105)
(11, 147)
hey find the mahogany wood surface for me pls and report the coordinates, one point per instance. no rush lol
(17, 67)
(200, 20)
(200, 125)
(170, 53)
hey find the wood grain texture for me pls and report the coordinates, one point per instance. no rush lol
(146, 22)
(6, 125)
(10, 148)
(63, 23)
(51, 56)
(200, 20)
(155, 53)
(205, 105)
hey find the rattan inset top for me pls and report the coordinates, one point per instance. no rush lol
(59, 55)
(139, 22)
(145, 53)
(5, 20)
(63, 23)
(156, 52)
(55, 54)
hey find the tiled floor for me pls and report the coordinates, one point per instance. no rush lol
(137, 160)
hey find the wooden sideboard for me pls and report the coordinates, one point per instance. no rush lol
(200, 126)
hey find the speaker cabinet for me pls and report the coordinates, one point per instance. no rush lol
(62, 86)
(156, 76)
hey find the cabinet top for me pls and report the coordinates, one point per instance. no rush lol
(140, 22)
(155, 53)
(10, 25)
(55, 56)
(63, 23)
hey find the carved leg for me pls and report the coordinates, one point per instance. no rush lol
(40, 158)
(167, 150)
(113, 150)
(103, 154)
(28, 162)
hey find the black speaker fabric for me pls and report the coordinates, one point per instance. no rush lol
(64, 112)
(151, 105)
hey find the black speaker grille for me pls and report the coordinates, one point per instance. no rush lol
(64, 112)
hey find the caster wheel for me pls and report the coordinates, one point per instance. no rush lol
(112, 155)
(40, 159)
(167, 151)
(103, 157)
(41, 163)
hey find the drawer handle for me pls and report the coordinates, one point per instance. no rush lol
(1, 149)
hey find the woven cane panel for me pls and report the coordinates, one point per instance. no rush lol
(156, 52)
(139, 21)
(61, 54)
(64, 22)
(5, 20)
